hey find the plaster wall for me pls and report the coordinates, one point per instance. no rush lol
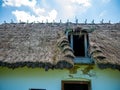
(26, 78)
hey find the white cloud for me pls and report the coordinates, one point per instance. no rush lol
(19, 3)
(38, 10)
(52, 15)
(39, 14)
(69, 8)
(65, 9)
(85, 3)
(24, 16)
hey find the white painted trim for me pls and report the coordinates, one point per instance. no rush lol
(71, 41)
(82, 60)
(85, 42)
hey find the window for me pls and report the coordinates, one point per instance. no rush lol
(36, 89)
(79, 44)
(76, 85)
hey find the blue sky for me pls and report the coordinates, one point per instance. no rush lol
(42, 10)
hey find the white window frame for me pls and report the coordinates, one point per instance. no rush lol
(82, 60)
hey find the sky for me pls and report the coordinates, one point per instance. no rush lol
(56, 10)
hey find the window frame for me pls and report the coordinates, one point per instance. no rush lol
(81, 60)
(36, 89)
(75, 82)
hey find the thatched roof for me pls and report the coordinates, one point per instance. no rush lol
(35, 45)
(46, 45)
(105, 48)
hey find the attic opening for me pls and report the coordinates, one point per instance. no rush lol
(75, 85)
(79, 44)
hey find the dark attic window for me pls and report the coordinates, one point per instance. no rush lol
(79, 44)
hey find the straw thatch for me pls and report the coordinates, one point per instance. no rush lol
(36, 45)
(46, 45)
(105, 48)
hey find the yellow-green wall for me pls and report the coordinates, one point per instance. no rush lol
(25, 78)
